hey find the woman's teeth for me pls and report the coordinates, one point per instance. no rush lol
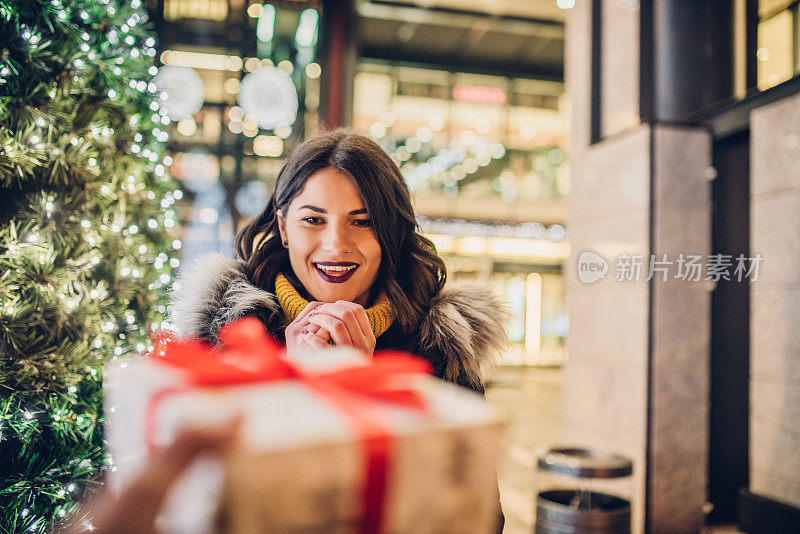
(335, 271)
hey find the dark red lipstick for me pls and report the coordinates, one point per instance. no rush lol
(337, 276)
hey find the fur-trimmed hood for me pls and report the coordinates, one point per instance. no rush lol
(465, 324)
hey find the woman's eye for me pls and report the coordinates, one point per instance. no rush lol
(313, 220)
(363, 222)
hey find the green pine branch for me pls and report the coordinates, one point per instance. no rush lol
(87, 249)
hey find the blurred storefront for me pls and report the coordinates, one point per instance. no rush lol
(240, 81)
(483, 156)
(468, 99)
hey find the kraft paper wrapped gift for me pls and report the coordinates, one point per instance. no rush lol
(331, 441)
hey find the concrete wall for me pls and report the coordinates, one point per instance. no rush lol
(775, 302)
(605, 377)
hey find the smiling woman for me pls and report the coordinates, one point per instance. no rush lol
(331, 239)
(336, 257)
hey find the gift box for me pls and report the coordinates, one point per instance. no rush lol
(331, 441)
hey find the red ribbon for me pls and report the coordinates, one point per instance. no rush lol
(247, 354)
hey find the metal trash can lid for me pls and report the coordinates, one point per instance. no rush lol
(576, 462)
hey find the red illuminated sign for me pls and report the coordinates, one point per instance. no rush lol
(479, 94)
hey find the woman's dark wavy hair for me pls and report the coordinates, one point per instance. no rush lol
(411, 272)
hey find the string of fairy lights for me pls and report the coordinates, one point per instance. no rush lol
(118, 334)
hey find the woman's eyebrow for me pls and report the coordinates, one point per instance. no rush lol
(320, 210)
(312, 208)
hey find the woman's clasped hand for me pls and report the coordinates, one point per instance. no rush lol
(343, 322)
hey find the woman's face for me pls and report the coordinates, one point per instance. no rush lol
(333, 249)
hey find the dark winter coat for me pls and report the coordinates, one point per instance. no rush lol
(462, 333)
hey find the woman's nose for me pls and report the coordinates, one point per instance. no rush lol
(337, 239)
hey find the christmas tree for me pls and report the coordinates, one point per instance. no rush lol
(85, 246)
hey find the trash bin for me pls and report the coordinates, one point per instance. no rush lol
(568, 503)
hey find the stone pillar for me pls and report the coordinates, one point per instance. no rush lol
(337, 46)
(636, 380)
(680, 332)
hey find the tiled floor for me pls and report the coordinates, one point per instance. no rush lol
(530, 398)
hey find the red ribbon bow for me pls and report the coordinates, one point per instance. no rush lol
(247, 354)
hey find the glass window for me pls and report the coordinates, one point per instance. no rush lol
(770, 7)
(775, 51)
(467, 137)
(195, 9)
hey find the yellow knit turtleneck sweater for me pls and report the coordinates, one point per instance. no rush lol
(380, 315)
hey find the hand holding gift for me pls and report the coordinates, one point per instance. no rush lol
(330, 441)
(135, 509)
